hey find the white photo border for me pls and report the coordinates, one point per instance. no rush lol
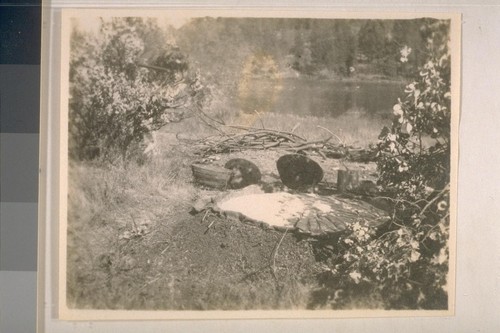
(54, 164)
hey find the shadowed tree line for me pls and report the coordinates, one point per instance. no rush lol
(340, 47)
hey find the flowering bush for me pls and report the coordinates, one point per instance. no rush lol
(405, 266)
(414, 153)
(402, 268)
(125, 81)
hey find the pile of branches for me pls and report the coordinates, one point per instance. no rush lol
(261, 139)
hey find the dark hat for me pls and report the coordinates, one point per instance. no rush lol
(299, 171)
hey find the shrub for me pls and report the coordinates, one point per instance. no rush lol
(125, 81)
(406, 265)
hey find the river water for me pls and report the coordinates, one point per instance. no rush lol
(321, 98)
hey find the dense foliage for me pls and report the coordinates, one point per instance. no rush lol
(125, 81)
(406, 265)
(414, 153)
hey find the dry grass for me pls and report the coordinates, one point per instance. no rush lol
(109, 208)
(355, 128)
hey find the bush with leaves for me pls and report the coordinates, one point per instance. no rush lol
(415, 152)
(405, 266)
(125, 81)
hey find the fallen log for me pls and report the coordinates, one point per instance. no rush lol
(211, 175)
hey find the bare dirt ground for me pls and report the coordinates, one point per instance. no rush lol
(178, 260)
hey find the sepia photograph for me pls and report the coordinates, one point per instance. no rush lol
(257, 164)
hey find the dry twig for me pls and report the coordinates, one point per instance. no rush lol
(275, 252)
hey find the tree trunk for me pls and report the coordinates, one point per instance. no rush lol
(347, 180)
